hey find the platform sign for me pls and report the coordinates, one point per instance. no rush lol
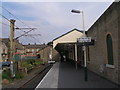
(84, 39)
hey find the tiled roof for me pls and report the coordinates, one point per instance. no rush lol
(35, 46)
(6, 41)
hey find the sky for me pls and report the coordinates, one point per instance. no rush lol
(51, 19)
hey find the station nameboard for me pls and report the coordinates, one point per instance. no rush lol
(85, 41)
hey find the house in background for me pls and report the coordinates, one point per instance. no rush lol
(48, 53)
(3, 51)
(19, 47)
(33, 49)
(5, 48)
(42, 51)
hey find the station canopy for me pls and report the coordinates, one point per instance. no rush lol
(67, 40)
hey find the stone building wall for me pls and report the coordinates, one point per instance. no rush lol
(108, 23)
(45, 52)
(119, 43)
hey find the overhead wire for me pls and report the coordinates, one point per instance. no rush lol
(5, 17)
(17, 19)
(5, 24)
(9, 25)
(14, 16)
(20, 21)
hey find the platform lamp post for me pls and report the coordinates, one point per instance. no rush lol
(84, 48)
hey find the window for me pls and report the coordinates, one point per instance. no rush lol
(109, 49)
(32, 50)
(37, 50)
(28, 50)
(3, 50)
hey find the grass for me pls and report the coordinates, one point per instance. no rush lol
(38, 62)
(19, 75)
(0, 77)
(29, 64)
(6, 75)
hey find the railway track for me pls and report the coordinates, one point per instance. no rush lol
(31, 84)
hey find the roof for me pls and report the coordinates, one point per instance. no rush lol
(68, 32)
(45, 47)
(5, 41)
(69, 37)
(35, 46)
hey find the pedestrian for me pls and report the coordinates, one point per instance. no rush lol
(64, 57)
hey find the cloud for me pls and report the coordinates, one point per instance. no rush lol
(53, 19)
(58, 0)
(53, 13)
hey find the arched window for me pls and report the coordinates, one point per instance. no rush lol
(109, 49)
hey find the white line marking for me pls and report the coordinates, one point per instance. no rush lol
(43, 78)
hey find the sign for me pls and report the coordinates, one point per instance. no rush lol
(86, 43)
(12, 68)
(84, 39)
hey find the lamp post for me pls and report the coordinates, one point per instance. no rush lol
(84, 48)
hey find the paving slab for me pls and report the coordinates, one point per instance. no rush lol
(51, 78)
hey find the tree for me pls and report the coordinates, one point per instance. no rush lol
(50, 43)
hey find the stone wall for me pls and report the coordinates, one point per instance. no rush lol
(108, 23)
(119, 42)
(45, 52)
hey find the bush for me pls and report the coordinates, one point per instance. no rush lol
(0, 77)
(38, 62)
(30, 62)
(19, 75)
(6, 75)
(29, 66)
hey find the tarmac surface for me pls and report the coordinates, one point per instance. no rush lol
(65, 75)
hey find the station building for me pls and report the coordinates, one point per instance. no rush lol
(68, 48)
(103, 57)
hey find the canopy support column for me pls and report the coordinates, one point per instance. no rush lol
(76, 55)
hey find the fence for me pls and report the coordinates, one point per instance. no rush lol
(18, 57)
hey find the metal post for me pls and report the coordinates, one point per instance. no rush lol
(43, 56)
(73, 55)
(12, 47)
(84, 48)
(51, 53)
(76, 54)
